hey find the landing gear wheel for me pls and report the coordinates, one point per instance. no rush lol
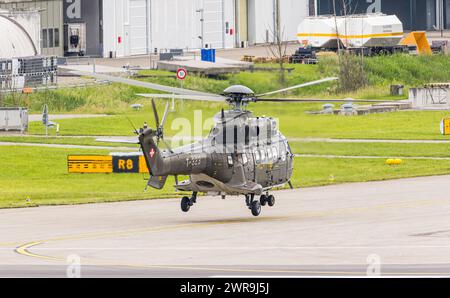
(271, 200)
(185, 204)
(263, 200)
(256, 208)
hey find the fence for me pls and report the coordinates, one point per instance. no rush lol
(35, 71)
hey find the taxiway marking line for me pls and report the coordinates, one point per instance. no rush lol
(181, 226)
(25, 249)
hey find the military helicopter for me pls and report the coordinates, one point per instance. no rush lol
(242, 155)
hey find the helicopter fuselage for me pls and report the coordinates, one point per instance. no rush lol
(242, 155)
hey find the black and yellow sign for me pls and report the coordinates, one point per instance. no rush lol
(125, 164)
(445, 126)
(106, 164)
(89, 164)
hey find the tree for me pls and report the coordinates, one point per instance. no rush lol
(277, 47)
(351, 69)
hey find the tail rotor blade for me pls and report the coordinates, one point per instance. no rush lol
(166, 113)
(155, 112)
(132, 125)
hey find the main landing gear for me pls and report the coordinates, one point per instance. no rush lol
(255, 205)
(187, 203)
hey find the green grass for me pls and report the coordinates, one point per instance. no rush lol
(99, 99)
(372, 149)
(82, 141)
(294, 121)
(326, 171)
(381, 72)
(40, 174)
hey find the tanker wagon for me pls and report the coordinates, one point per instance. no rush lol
(371, 34)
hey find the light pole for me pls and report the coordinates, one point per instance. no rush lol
(202, 22)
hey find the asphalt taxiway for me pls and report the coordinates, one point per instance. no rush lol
(394, 228)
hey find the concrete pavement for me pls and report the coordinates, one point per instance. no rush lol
(402, 225)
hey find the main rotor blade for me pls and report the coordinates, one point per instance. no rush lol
(131, 82)
(155, 112)
(166, 113)
(299, 86)
(167, 145)
(177, 96)
(322, 100)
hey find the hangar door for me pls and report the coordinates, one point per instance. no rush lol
(138, 27)
(213, 23)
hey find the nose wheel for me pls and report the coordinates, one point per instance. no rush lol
(256, 205)
(187, 203)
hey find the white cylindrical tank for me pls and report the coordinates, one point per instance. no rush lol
(371, 30)
(319, 31)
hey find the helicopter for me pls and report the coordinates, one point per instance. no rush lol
(243, 155)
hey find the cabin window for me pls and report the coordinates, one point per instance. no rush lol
(247, 135)
(269, 155)
(230, 160)
(244, 159)
(263, 155)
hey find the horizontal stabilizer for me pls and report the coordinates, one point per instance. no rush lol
(157, 182)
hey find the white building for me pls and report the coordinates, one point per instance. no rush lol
(262, 19)
(135, 27)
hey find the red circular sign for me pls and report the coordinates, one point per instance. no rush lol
(181, 73)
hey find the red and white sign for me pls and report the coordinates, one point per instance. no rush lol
(181, 73)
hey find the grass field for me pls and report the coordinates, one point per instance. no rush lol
(40, 175)
(381, 72)
(293, 119)
(83, 141)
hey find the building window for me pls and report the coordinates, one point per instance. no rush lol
(56, 36)
(44, 38)
(50, 38)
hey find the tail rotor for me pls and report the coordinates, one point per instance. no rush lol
(160, 125)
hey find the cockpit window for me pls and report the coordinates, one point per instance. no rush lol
(275, 153)
(263, 155)
(257, 157)
(283, 151)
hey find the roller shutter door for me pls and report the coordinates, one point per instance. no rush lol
(214, 26)
(138, 27)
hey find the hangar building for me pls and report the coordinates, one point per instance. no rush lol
(104, 28)
(133, 27)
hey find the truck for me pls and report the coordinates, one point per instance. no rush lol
(370, 34)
